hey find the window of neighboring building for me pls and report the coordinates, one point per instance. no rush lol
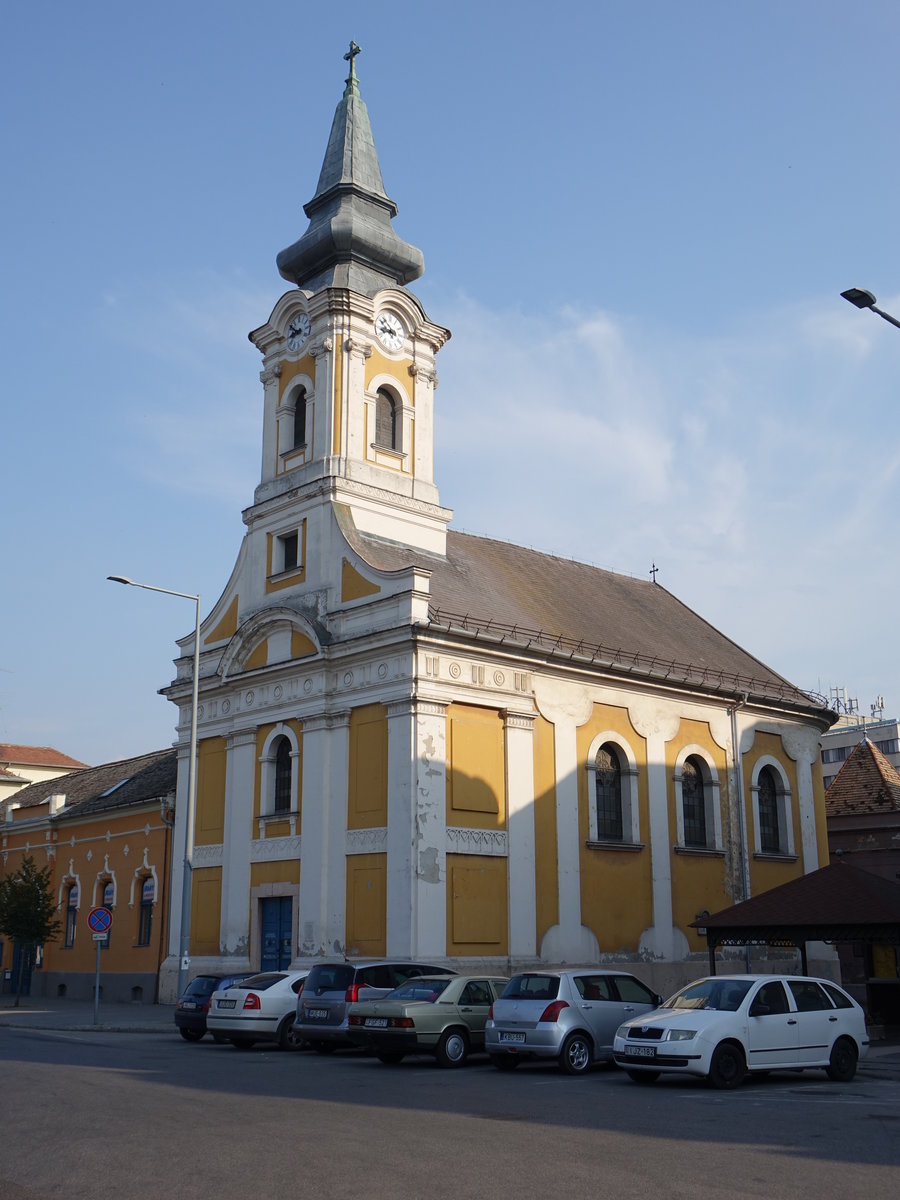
(71, 914)
(145, 913)
(385, 420)
(608, 793)
(283, 766)
(769, 831)
(693, 799)
(300, 419)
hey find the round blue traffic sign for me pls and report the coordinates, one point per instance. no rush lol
(100, 919)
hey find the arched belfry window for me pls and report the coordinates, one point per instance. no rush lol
(608, 793)
(385, 420)
(693, 799)
(282, 797)
(300, 418)
(769, 832)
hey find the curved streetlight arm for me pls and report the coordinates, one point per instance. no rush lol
(861, 298)
(185, 936)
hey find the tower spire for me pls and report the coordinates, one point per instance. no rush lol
(350, 241)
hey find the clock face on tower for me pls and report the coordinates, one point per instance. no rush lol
(389, 331)
(298, 331)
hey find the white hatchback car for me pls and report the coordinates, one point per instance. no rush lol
(728, 1025)
(258, 1009)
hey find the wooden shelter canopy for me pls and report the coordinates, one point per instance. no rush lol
(837, 903)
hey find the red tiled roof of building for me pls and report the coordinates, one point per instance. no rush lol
(866, 783)
(36, 756)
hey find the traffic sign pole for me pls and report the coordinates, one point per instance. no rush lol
(100, 921)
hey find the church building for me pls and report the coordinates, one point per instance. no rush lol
(423, 744)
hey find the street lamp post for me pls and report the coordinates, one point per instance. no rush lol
(185, 938)
(863, 299)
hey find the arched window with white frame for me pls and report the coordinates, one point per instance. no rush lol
(613, 815)
(773, 825)
(698, 813)
(386, 422)
(279, 775)
(299, 405)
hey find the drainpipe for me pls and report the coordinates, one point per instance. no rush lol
(742, 812)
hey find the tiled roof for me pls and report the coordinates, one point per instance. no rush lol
(866, 783)
(834, 895)
(35, 756)
(498, 590)
(111, 785)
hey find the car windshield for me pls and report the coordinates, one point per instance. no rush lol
(532, 987)
(419, 989)
(724, 995)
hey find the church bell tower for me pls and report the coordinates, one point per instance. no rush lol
(349, 358)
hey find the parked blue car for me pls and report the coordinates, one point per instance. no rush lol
(193, 1005)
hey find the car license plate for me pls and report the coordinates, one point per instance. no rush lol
(224, 1004)
(517, 1039)
(188, 1004)
(376, 1022)
(641, 1051)
(316, 1014)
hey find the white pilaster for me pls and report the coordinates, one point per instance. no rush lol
(234, 929)
(803, 747)
(520, 825)
(323, 870)
(430, 831)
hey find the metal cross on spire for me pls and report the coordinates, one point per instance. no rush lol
(653, 569)
(351, 80)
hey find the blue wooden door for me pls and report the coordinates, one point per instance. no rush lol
(275, 922)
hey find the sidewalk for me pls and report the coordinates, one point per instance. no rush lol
(38, 1013)
(883, 1059)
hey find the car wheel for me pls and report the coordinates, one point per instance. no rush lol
(642, 1076)
(728, 1068)
(390, 1058)
(191, 1035)
(504, 1062)
(286, 1037)
(241, 1043)
(842, 1063)
(453, 1048)
(576, 1054)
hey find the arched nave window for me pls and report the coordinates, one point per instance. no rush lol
(282, 790)
(773, 828)
(693, 801)
(612, 792)
(279, 782)
(697, 811)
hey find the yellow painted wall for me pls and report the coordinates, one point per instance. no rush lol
(545, 853)
(286, 871)
(368, 776)
(354, 586)
(378, 364)
(206, 910)
(258, 657)
(290, 370)
(698, 881)
(769, 873)
(477, 907)
(476, 770)
(301, 645)
(209, 827)
(616, 885)
(366, 904)
(227, 627)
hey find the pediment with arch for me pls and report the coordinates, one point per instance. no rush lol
(270, 638)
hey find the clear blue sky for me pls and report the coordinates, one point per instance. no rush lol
(636, 218)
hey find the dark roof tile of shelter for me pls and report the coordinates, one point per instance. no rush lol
(834, 895)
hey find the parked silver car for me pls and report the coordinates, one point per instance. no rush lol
(570, 1015)
(331, 988)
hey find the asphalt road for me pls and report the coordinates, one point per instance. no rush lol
(113, 1115)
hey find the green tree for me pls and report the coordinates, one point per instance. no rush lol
(28, 913)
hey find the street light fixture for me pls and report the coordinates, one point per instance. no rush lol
(864, 299)
(185, 939)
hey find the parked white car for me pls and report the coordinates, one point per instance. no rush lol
(260, 1008)
(728, 1025)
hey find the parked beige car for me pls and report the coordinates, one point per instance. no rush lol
(443, 1015)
